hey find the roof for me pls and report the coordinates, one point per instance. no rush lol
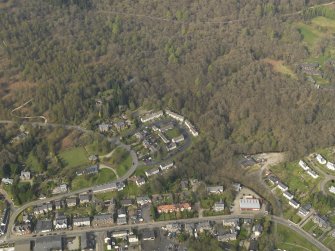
(81, 219)
(103, 217)
(43, 225)
(48, 243)
(250, 203)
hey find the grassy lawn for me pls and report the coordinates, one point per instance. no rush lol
(106, 196)
(298, 181)
(289, 240)
(329, 241)
(308, 226)
(74, 157)
(33, 164)
(104, 176)
(140, 170)
(175, 132)
(121, 161)
(324, 22)
(310, 34)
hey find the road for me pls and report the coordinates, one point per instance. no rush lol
(159, 224)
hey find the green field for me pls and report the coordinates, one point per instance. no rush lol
(104, 176)
(74, 157)
(309, 225)
(289, 240)
(309, 33)
(175, 132)
(121, 161)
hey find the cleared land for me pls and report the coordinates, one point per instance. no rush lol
(74, 157)
(121, 161)
(104, 176)
(278, 66)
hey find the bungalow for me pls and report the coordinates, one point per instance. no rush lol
(321, 159)
(60, 222)
(81, 222)
(288, 195)
(303, 165)
(282, 186)
(102, 220)
(151, 172)
(227, 237)
(171, 146)
(215, 189)
(330, 166)
(143, 200)
(218, 206)
(7, 181)
(25, 175)
(151, 116)
(140, 181)
(294, 204)
(71, 202)
(84, 198)
(313, 174)
(43, 226)
(320, 221)
(164, 139)
(89, 170)
(166, 166)
(174, 115)
(178, 139)
(191, 128)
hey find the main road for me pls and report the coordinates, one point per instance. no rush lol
(159, 224)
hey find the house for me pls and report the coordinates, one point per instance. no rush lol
(93, 158)
(189, 228)
(126, 202)
(89, 170)
(71, 202)
(140, 181)
(204, 226)
(121, 212)
(320, 221)
(250, 204)
(114, 186)
(282, 186)
(218, 206)
(43, 226)
(303, 165)
(151, 172)
(313, 174)
(332, 189)
(166, 127)
(171, 146)
(48, 243)
(163, 138)
(237, 187)
(294, 204)
(102, 220)
(132, 239)
(22, 229)
(155, 128)
(59, 204)
(81, 222)
(288, 195)
(173, 227)
(167, 166)
(88, 241)
(7, 181)
(119, 234)
(120, 125)
(330, 166)
(178, 139)
(233, 222)
(273, 180)
(227, 237)
(143, 200)
(84, 198)
(60, 189)
(148, 235)
(191, 128)
(174, 115)
(215, 189)
(60, 222)
(320, 159)
(303, 212)
(25, 175)
(257, 230)
(121, 220)
(49, 206)
(104, 127)
(151, 116)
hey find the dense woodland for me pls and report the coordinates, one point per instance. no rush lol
(178, 54)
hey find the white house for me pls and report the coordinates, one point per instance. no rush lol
(140, 181)
(330, 166)
(132, 239)
(303, 212)
(288, 195)
(174, 115)
(151, 172)
(191, 128)
(303, 165)
(218, 206)
(178, 139)
(321, 159)
(25, 175)
(282, 186)
(215, 189)
(7, 181)
(81, 222)
(313, 174)
(166, 166)
(294, 204)
(151, 116)
(332, 189)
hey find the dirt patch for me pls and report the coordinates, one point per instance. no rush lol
(278, 66)
(67, 141)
